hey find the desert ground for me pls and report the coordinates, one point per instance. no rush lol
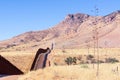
(60, 70)
(74, 72)
(73, 56)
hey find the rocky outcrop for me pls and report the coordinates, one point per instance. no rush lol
(76, 18)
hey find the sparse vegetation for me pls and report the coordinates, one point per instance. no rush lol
(84, 66)
(12, 45)
(71, 60)
(111, 60)
(81, 71)
(74, 60)
(90, 57)
(55, 64)
(73, 72)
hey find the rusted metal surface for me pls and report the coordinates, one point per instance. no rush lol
(8, 68)
(40, 59)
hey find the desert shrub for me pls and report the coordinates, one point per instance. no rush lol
(100, 61)
(70, 60)
(74, 59)
(111, 60)
(55, 64)
(89, 57)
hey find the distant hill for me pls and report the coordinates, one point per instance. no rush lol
(75, 31)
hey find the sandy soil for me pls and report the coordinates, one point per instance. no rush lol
(14, 77)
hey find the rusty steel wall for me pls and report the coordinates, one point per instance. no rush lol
(7, 68)
(40, 59)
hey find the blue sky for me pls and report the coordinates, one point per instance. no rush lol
(19, 16)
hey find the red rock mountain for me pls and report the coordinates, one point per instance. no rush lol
(75, 31)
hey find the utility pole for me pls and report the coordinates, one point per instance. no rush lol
(96, 39)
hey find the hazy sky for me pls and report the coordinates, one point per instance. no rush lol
(19, 16)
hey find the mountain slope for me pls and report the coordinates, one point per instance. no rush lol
(75, 31)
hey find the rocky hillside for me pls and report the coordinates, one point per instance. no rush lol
(75, 31)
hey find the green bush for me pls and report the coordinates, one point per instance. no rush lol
(70, 60)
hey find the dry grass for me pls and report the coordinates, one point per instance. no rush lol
(61, 54)
(24, 59)
(74, 72)
(84, 51)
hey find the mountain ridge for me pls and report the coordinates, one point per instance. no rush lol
(75, 30)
